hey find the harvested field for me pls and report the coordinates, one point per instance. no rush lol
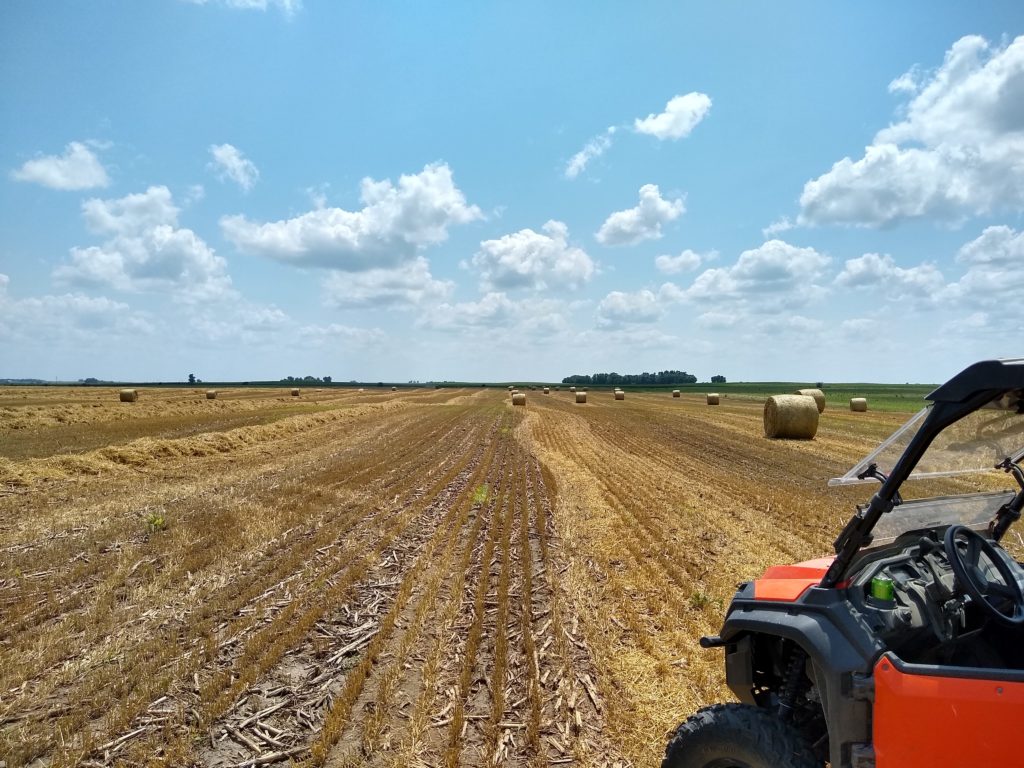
(430, 577)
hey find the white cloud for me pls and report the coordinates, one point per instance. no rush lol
(4, 282)
(774, 276)
(681, 115)
(619, 308)
(407, 285)
(230, 163)
(993, 276)
(777, 227)
(239, 322)
(594, 148)
(642, 222)
(67, 318)
(78, 168)
(496, 311)
(288, 7)
(880, 273)
(146, 251)
(537, 260)
(686, 261)
(132, 213)
(959, 150)
(627, 338)
(394, 224)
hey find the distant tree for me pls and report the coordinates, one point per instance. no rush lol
(327, 379)
(191, 378)
(646, 378)
(718, 379)
(820, 384)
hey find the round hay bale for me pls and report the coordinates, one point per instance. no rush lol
(295, 393)
(620, 395)
(581, 397)
(572, 389)
(128, 395)
(859, 404)
(519, 398)
(394, 389)
(510, 387)
(361, 389)
(817, 394)
(790, 417)
(675, 393)
(547, 390)
(713, 398)
(211, 394)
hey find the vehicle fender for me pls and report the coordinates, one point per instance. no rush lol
(842, 650)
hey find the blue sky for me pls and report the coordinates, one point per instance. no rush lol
(250, 189)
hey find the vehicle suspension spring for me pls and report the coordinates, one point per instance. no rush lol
(791, 683)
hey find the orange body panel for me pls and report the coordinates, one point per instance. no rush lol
(945, 722)
(788, 582)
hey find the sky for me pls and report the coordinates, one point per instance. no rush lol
(467, 191)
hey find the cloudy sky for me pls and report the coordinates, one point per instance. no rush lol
(248, 189)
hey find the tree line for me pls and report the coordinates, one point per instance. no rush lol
(652, 379)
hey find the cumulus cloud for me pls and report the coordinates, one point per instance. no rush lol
(686, 261)
(537, 260)
(881, 273)
(146, 251)
(496, 310)
(680, 117)
(958, 151)
(78, 168)
(69, 317)
(240, 322)
(619, 308)
(643, 222)
(594, 148)
(230, 163)
(993, 270)
(774, 276)
(395, 223)
(408, 285)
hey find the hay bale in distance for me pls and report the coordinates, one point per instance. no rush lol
(510, 387)
(295, 393)
(581, 397)
(211, 394)
(620, 395)
(790, 417)
(817, 394)
(713, 398)
(572, 389)
(859, 404)
(547, 390)
(675, 393)
(128, 395)
(394, 389)
(519, 398)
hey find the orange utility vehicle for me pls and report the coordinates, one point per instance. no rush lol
(906, 649)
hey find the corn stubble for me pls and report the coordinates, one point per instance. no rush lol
(257, 581)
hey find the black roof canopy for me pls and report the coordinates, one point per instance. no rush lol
(995, 376)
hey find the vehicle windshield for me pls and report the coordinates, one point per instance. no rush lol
(976, 443)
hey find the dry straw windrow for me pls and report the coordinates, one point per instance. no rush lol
(793, 417)
(858, 404)
(817, 394)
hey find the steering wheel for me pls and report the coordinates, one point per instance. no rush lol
(968, 572)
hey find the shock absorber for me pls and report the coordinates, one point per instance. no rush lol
(791, 680)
